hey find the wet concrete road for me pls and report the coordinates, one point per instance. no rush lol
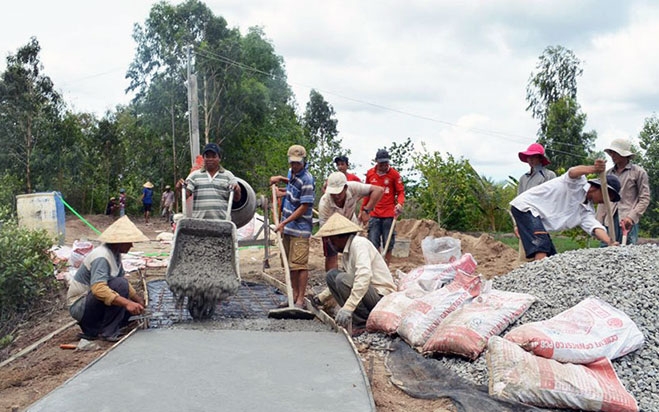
(183, 369)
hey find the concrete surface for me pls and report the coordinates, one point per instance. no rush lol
(212, 370)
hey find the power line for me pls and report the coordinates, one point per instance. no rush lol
(502, 135)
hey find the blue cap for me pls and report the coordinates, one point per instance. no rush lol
(212, 147)
(612, 184)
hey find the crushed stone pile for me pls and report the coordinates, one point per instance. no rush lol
(202, 267)
(625, 277)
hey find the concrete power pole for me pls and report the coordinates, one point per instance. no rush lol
(193, 109)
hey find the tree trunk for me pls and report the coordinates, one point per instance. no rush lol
(28, 154)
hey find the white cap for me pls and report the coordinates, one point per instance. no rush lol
(335, 183)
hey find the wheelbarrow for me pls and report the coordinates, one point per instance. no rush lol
(203, 267)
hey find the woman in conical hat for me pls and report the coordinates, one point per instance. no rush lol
(99, 296)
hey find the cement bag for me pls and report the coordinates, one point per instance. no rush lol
(521, 376)
(590, 330)
(465, 332)
(422, 317)
(79, 251)
(438, 250)
(433, 277)
(387, 314)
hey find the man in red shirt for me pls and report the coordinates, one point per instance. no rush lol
(342, 166)
(389, 207)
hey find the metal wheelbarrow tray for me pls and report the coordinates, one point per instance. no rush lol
(203, 266)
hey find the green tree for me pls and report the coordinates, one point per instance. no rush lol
(556, 78)
(242, 86)
(320, 123)
(649, 142)
(565, 141)
(29, 108)
(446, 190)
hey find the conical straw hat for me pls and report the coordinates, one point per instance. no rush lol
(122, 231)
(337, 224)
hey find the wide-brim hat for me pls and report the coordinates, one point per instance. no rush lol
(122, 231)
(612, 183)
(337, 224)
(148, 185)
(621, 146)
(534, 149)
(168, 187)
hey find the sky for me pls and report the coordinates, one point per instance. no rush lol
(450, 75)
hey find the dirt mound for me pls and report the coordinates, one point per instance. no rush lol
(493, 257)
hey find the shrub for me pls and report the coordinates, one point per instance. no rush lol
(26, 272)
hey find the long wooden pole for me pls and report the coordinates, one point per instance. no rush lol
(607, 205)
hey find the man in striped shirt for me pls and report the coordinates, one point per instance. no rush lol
(296, 219)
(211, 186)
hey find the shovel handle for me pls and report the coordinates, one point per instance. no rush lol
(282, 251)
(607, 205)
(230, 205)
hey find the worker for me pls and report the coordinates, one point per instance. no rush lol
(111, 207)
(210, 186)
(297, 219)
(122, 202)
(365, 277)
(147, 200)
(99, 296)
(634, 191)
(343, 196)
(342, 165)
(166, 203)
(559, 204)
(537, 160)
(382, 217)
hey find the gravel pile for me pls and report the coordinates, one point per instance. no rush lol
(625, 277)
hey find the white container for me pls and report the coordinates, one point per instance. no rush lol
(43, 211)
(401, 248)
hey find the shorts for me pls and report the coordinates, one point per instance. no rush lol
(328, 249)
(297, 251)
(147, 207)
(378, 231)
(533, 234)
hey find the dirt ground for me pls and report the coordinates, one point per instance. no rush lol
(30, 377)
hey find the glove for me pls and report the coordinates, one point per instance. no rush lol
(344, 318)
(315, 301)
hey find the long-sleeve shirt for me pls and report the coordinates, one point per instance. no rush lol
(561, 204)
(634, 193)
(394, 191)
(537, 176)
(361, 259)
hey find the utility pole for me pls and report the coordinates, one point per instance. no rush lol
(193, 109)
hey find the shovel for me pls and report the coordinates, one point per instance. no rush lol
(607, 205)
(625, 231)
(290, 312)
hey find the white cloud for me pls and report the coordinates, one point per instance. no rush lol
(453, 73)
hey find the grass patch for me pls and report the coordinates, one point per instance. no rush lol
(561, 243)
